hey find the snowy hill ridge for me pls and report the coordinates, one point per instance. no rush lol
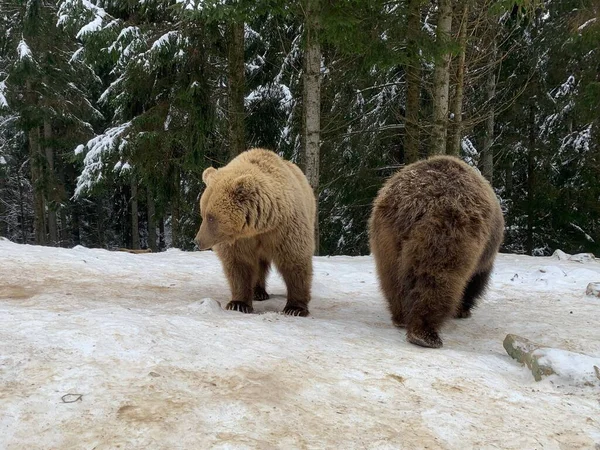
(159, 364)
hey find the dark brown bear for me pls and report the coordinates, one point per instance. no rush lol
(435, 229)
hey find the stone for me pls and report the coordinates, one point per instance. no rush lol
(560, 255)
(593, 289)
(524, 351)
(579, 257)
(574, 369)
(583, 257)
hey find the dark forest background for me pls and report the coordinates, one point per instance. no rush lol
(111, 109)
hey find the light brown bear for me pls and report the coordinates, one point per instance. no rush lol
(256, 210)
(435, 230)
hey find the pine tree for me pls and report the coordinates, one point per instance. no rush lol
(49, 108)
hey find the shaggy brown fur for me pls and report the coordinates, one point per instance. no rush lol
(435, 229)
(256, 210)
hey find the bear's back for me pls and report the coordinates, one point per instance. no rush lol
(442, 186)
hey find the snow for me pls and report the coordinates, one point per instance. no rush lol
(123, 41)
(158, 363)
(121, 167)
(167, 122)
(77, 55)
(164, 40)
(98, 148)
(569, 367)
(274, 90)
(565, 88)
(578, 228)
(469, 150)
(194, 5)
(23, 51)
(2, 161)
(110, 89)
(92, 27)
(3, 102)
(587, 23)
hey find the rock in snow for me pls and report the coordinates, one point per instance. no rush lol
(579, 257)
(572, 368)
(560, 255)
(593, 289)
(524, 351)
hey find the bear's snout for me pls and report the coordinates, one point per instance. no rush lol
(202, 244)
(199, 244)
(201, 240)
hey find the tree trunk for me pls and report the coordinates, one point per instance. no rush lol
(413, 83)
(39, 220)
(135, 229)
(4, 226)
(161, 234)
(175, 213)
(151, 220)
(237, 84)
(456, 137)
(509, 190)
(312, 103)
(530, 179)
(509, 178)
(63, 235)
(75, 226)
(441, 79)
(100, 226)
(487, 155)
(24, 235)
(50, 186)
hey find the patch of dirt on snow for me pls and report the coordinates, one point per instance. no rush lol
(8, 292)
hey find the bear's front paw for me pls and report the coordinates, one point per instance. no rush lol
(295, 311)
(239, 306)
(260, 294)
(463, 314)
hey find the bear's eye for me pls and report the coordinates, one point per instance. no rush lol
(210, 218)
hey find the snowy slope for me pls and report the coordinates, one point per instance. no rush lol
(160, 365)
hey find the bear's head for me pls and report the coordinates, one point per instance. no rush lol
(230, 208)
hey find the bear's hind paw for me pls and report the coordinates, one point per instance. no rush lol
(295, 311)
(239, 306)
(424, 338)
(260, 294)
(463, 314)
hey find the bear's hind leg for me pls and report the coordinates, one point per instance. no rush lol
(387, 263)
(260, 290)
(428, 304)
(434, 285)
(475, 289)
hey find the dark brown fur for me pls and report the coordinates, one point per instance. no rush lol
(435, 230)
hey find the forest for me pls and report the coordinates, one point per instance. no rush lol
(110, 110)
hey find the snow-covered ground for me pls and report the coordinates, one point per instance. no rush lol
(159, 364)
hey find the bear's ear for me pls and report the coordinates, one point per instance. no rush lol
(208, 174)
